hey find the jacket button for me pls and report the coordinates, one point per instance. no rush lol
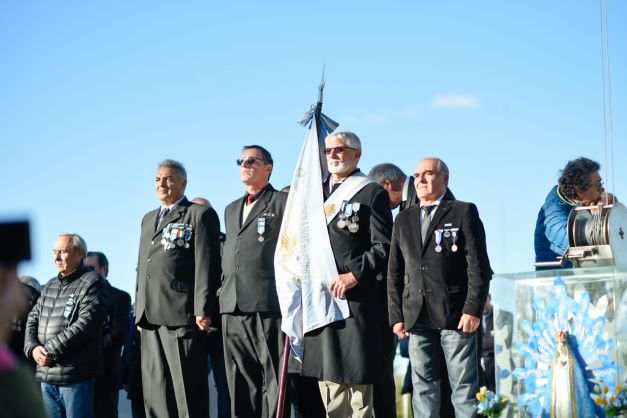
(152, 243)
(149, 260)
(148, 276)
(236, 267)
(236, 251)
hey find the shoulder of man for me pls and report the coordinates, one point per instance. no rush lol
(90, 277)
(119, 292)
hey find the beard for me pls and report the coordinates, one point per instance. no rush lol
(337, 166)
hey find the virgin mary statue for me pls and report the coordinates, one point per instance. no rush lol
(567, 394)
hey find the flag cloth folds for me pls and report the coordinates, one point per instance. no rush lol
(304, 265)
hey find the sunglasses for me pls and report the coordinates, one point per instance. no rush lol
(248, 161)
(338, 150)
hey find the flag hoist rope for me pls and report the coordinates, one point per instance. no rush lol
(606, 77)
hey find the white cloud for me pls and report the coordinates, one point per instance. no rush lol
(456, 101)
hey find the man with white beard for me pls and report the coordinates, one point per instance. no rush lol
(345, 355)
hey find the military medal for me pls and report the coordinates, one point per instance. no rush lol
(188, 236)
(454, 246)
(447, 233)
(353, 226)
(341, 223)
(438, 240)
(261, 229)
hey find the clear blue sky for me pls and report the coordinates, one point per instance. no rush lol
(94, 94)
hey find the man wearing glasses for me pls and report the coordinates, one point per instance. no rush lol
(251, 317)
(345, 355)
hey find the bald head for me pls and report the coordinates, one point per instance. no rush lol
(201, 201)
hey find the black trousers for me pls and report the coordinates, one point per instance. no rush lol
(106, 403)
(174, 372)
(384, 392)
(253, 346)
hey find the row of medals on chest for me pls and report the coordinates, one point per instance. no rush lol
(348, 216)
(448, 233)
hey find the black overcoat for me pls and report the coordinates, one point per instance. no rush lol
(348, 351)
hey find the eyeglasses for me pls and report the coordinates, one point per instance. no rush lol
(338, 150)
(248, 161)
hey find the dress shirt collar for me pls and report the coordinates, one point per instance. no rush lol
(436, 203)
(405, 189)
(172, 205)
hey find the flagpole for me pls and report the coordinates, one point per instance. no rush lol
(320, 131)
(283, 378)
(323, 125)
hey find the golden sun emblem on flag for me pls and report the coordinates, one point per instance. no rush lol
(288, 244)
(328, 209)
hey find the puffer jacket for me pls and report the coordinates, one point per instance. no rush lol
(67, 320)
(551, 235)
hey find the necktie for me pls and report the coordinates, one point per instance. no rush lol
(250, 199)
(163, 214)
(426, 221)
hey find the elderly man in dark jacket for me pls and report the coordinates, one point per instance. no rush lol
(344, 355)
(63, 332)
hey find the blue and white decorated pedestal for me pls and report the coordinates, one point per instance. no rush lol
(590, 305)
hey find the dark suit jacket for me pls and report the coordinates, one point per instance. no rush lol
(349, 351)
(176, 285)
(412, 198)
(247, 264)
(114, 335)
(450, 283)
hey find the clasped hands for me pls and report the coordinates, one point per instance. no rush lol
(467, 323)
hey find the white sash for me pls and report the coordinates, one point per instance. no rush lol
(349, 188)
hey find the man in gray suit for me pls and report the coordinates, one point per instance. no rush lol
(177, 276)
(251, 318)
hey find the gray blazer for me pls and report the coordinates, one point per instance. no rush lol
(175, 286)
(248, 264)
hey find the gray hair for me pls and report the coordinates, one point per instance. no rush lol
(349, 138)
(176, 166)
(440, 167)
(76, 242)
(386, 171)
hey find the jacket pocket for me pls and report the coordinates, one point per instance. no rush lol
(180, 286)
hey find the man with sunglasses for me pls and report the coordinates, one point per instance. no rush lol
(251, 317)
(345, 355)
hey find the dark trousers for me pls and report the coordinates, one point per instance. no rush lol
(174, 372)
(253, 345)
(306, 397)
(384, 392)
(216, 365)
(106, 404)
